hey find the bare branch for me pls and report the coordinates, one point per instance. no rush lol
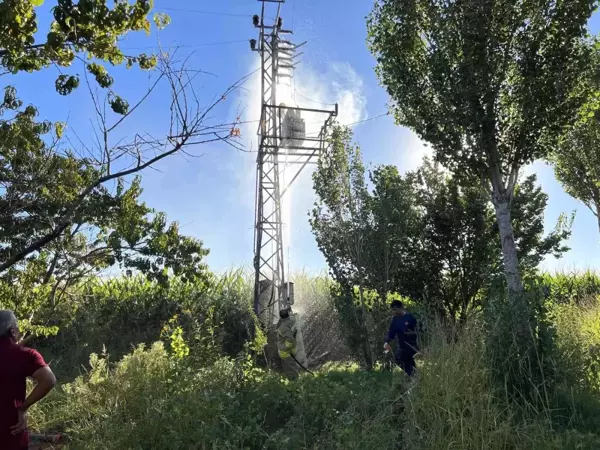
(142, 100)
(190, 125)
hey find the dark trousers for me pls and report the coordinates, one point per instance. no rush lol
(405, 360)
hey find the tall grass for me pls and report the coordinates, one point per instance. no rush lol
(579, 345)
(578, 287)
(114, 316)
(150, 401)
(147, 396)
(455, 404)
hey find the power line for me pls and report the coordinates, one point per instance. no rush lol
(311, 100)
(315, 133)
(369, 119)
(208, 44)
(212, 13)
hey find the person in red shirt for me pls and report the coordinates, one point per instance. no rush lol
(17, 363)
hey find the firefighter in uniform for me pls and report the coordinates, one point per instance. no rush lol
(289, 344)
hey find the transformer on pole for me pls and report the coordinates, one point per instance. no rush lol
(283, 141)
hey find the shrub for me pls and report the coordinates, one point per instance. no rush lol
(455, 404)
(150, 400)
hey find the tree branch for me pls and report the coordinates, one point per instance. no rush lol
(189, 120)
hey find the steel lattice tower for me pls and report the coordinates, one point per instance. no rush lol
(282, 142)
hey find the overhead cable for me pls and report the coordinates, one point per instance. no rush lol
(208, 44)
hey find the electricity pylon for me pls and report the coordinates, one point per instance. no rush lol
(283, 142)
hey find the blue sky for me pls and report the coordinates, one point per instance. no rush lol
(212, 197)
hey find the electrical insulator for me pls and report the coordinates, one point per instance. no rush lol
(279, 23)
(256, 20)
(253, 44)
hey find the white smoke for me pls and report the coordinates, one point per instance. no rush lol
(338, 83)
(415, 151)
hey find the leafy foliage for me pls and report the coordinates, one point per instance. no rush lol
(489, 84)
(573, 288)
(342, 226)
(579, 342)
(109, 230)
(72, 212)
(576, 159)
(395, 217)
(213, 314)
(90, 27)
(232, 403)
(527, 211)
(426, 235)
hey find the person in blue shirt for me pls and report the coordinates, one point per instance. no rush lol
(404, 328)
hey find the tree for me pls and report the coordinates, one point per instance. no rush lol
(67, 213)
(123, 233)
(489, 84)
(577, 165)
(341, 223)
(396, 223)
(576, 160)
(71, 208)
(88, 27)
(532, 243)
(50, 189)
(441, 231)
(457, 244)
(428, 235)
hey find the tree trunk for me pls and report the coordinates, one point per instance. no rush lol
(386, 274)
(520, 315)
(365, 329)
(509, 249)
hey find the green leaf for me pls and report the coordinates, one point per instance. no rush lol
(161, 20)
(37, 2)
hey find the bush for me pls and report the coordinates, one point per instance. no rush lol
(377, 320)
(455, 404)
(202, 389)
(150, 400)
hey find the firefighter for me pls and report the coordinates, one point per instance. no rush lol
(289, 344)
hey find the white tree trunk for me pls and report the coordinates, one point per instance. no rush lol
(509, 249)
